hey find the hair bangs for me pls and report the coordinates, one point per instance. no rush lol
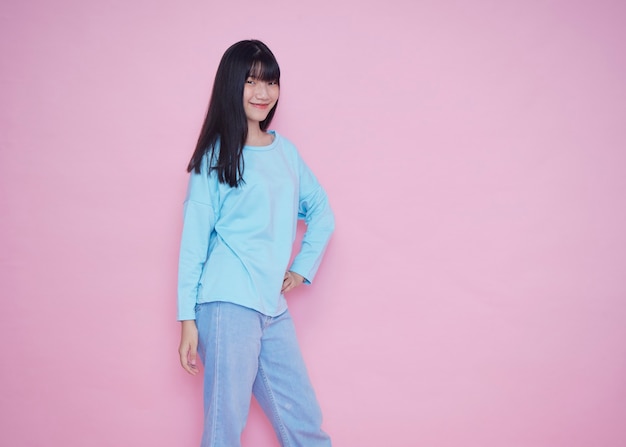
(264, 68)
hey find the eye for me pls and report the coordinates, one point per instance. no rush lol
(273, 83)
(250, 81)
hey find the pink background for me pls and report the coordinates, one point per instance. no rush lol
(474, 152)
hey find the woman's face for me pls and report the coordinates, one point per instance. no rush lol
(258, 99)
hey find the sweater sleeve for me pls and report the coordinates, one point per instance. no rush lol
(198, 223)
(320, 224)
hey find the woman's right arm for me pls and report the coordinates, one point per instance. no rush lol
(198, 223)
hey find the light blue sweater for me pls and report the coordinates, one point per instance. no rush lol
(237, 242)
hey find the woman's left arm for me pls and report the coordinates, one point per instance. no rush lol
(315, 209)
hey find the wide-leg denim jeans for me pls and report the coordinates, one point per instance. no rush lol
(245, 352)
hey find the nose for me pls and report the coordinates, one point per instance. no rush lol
(261, 90)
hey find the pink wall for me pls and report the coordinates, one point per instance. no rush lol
(475, 155)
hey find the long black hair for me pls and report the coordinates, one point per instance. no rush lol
(226, 119)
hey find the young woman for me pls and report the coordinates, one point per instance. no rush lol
(247, 188)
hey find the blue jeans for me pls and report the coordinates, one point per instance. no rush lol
(245, 352)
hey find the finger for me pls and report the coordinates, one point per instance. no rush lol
(193, 358)
(183, 358)
(192, 369)
(286, 282)
(187, 361)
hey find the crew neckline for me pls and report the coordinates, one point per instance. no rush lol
(269, 147)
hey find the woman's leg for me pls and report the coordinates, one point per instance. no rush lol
(229, 345)
(283, 389)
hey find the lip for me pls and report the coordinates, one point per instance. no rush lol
(259, 106)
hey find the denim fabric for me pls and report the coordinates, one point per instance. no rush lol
(245, 352)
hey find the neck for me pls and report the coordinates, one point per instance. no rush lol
(257, 137)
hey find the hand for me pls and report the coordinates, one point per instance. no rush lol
(188, 349)
(291, 281)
